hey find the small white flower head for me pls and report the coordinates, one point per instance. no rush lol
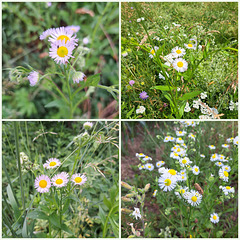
(61, 51)
(139, 20)
(167, 183)
(124, 54)
(180, 65)
(85, 40)
(222, 158)
(161, 75)
(202, 155)
(78, 179)
(180, 133)
(155, 193)
(194, 198)
(73, 28)
(179, 140)
(223, 175)
(187, 108)
(142, 18)
(60, 180)
(195, 170)
(149, 166)
(229, 140)
(146, 158)
(169, 59)
(160, 164)
(140, 110)
(140, 155)
(182, 177)
(192, 136)
(227, 190)
(172, 139)
(136, 213)
(78, 77)
(203, 95)
(182, 192)
(190, 46)
(219, 164)
(184, 161)
(212, 147)
(42, 184)
(162, 170)
(226, 168)
(33, 78)
(87, 125)
(153, 52)
(214, 218)
(141, 167)
(52, 163)
(196, 103)
(46, 34)
(178, 52)
(174, 155)
(167, 139)
(235, 141)
(214, 157)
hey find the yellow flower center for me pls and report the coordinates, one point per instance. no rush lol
(146, 156)
(179, 150)
(141, 154)
(180, 132)
(180, 64)
(59, 181)
(212, 146)
(183, 177)
(214, 156)
(215, 217)
(175, 154)
(167, 182)
(219, 163)
(226, 168)
(178, 51)
(237, 142)
(225, 173)
(180, 139)
(190, 45)
(62, 51)
(142, 83)
(152, 52)
(184, 161)
(172, 172)
(63, 37)
(162, 161)
(166, 138)
(43, 183)
(228, 188)
(196, 169)
(52, 164)
(182, 191)
(78, 179)
(194, 198)
(149, 166)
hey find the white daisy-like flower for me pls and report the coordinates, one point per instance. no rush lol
(169, 59)
(153, 52)
(180, 133)
(86, 41)
(162, 170)
(78, 77)
(229, 140)
(146, 158)
(190, 46)
(73, 28)
(187, 108)
(223, 174)
(167, 139)
(184, 161)
(167, 183)
(214, 218)
(52, 163)
(42, 184)
(161, 75)
(184, 145)
(227, 190)
(155, 193)
(46, 34)
(172, 139)
(78, 179)
(192, 136)
(33, 78)
(179, 140)
(60, 180)
(149, 166)
(178, 52)
(195, 170)
(63, 34)
(182, 192)
(202, 155)
(219, 164)
(235, 141)
(222, 158)
(140, 155)
(180, 65)
(212, 147)
(182, 177)
(136, 213)
(194, 198)
(88, 125)
(214, 157)
(159, 164)
(203, 95)
(141, 167)
(61, 51)
(226, 168)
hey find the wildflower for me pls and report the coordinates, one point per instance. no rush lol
(190, 46)
(194, 198)
(155, 193)
(42, 184)
(161, 76)
(202, 155)
(142, 83)
(178, 52)
(169, 59)
(225, 145)
(131, 82)
(166, 183)
(196, 103)
(78, 77)
(143, 95)
(180, 65)
(203, 95)
(142, 18)
(159, 164)
(140, 155)
(179, 140)
(187, 108)
(78, 179)
(235, 141)
(146, 158)
(153, 52)
(212, 147)
(141, 167)
(136, 213)
(191, 136)
(87, 125)
(222, 158)
(223, 175)
(174, 155)
(86, 41)
(61, 51)
(167, 139)
(149, 166)
(195, 170)
(214, 218)
(182, 192)
(52, 163)
(33, 78)
(140, 110)
(139, 20)
(73, 28)
(229, 140)
(219, 164)
(46, 34)
(60, 180)
(180, 133)
(162, 170)
(226, 168)
(227, 190)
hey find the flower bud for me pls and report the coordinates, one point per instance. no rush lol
(124, 199)
(125, 185)
(87, 125)
(125, 210)
(147, 187)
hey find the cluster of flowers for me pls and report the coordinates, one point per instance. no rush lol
(140, 110)
(170, 178)
(63, 41)
(233, 106)
(43, 183)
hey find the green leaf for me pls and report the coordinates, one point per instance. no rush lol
(219, 234)
(163, 88)
(55, 220)
(93, 80)
(102, 215)
(107, 202)
(115, 227)
(59, 103)
(37, 214)
(66, 229)
(13, 202)
(130, 112)
(66, 205)
(24, 229)
(190, 95)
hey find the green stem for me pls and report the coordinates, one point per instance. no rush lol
(50, 230)
(70, 96)
(60, 207)
(189, 219)
(143, 224)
